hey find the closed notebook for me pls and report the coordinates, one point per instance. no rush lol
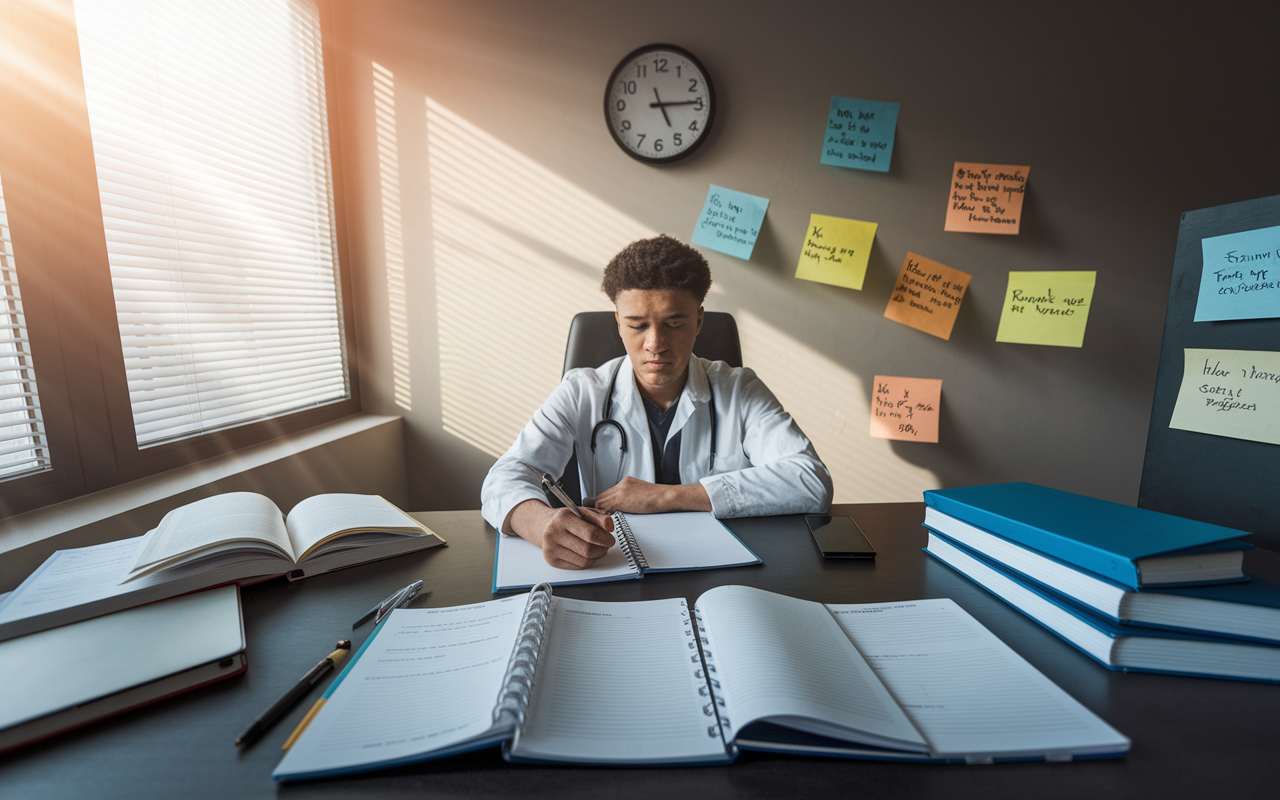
(1249, 610)
(670, 542)
(1132, 546)
(1119, 647)
(66, 677)
(657, 682)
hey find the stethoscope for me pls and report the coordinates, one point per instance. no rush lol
(608, 421)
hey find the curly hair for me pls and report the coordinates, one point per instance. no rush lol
(662, 262)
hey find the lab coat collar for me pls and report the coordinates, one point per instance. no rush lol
(630, 407)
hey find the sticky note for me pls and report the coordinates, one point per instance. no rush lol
(986, 198)
(1241, 277)
(1046, 308)
(836, 251)
(927, 295)
(730, 221)
(906, 408)
(860, 134)
(1232, 393)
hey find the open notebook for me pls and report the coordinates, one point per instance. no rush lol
(670, 542)
(559, 680)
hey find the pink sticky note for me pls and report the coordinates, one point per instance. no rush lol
(906, 408)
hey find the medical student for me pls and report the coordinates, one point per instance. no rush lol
(656, 430)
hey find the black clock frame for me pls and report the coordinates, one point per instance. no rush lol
(711, 102)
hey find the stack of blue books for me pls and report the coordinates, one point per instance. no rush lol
(1134, 589)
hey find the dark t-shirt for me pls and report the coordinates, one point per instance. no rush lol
(666, 464)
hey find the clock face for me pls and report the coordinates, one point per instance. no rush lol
(659, 104)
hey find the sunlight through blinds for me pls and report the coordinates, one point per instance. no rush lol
(23, 448)
(211, 142)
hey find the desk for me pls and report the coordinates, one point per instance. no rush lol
(1191, 737)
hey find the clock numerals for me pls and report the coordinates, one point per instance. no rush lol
(629, 87)
(675, 138)
(655, 113)
(693, 84)
(642, 70)
(621, 105)
(693, 126)
(659, 65)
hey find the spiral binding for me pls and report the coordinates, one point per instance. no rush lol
(513, 700)
(716, 706)
(627, 541)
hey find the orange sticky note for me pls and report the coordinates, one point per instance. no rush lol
(927, 295)
(906, 408)
(986, 198)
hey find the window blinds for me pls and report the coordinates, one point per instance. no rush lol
(211, 143)
(23, 448)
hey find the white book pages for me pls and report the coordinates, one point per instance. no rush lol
(687, 540)
(784, 660)
(967, 691)
(427, 683)
(619, 683)
(519, 564)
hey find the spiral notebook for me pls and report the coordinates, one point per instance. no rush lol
(670, 542)
(558, 680)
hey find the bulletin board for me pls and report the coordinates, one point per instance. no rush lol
(1218, 479)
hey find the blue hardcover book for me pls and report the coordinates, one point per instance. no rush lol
(1125, 648)
(1249, 610)
(1132, 546)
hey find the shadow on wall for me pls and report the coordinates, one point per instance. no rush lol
(518, 250)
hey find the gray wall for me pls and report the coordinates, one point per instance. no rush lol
(484, 195)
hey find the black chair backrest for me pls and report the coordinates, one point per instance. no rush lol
(593, 340)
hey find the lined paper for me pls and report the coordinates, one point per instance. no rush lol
(428, 681)
(618, 684)
(786, 661)
(967, 691)
(680, 540)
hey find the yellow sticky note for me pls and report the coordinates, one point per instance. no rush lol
(986, 198)
(1233, 393)
(836, 251)
(1046, 308)
(927, 295)
(906, 408)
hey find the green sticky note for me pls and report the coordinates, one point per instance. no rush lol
(836, 251)
(1046, 308)
(1233, 393)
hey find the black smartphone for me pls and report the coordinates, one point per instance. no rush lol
(839, 537)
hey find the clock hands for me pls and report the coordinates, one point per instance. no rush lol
(675, 103)
(661, 105)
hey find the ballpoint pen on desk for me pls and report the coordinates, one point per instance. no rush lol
(396, 600)
(553, 486)
(281, 707)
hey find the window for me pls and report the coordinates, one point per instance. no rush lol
(169, 197)
(212, 153)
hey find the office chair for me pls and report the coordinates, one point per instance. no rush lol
(594, 339)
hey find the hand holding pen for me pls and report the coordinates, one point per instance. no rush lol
(571, 537)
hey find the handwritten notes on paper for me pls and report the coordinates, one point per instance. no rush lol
(836, 251)
(1046, 308)
(906, 408)
(927, 295)
(1241, 278)
(730, 221)
(986, 198)
(860, 134)
(1233, 393)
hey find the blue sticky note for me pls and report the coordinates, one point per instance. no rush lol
(860, 134)
(730, 221)
(1241, 277)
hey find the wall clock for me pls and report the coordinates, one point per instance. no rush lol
(659, 104)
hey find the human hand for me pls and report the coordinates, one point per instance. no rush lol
(569, 542)
(634, 496)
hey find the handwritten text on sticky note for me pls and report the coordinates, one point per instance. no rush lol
(1241, 278)
(730, 221)
(860, 134)
(1233, 393)
(927, 295)
(1046, 308)
(906, 408)
(836, 251)
(986, 198)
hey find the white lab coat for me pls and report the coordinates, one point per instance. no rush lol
(764, 464)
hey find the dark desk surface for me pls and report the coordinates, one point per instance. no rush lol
(1191, 737)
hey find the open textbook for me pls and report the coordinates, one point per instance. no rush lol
(559, 680)
(238, 537)
(669, 542)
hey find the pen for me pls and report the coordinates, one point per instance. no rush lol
(554, 487)
(405, 595)
(281, 707)
(373, 612)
